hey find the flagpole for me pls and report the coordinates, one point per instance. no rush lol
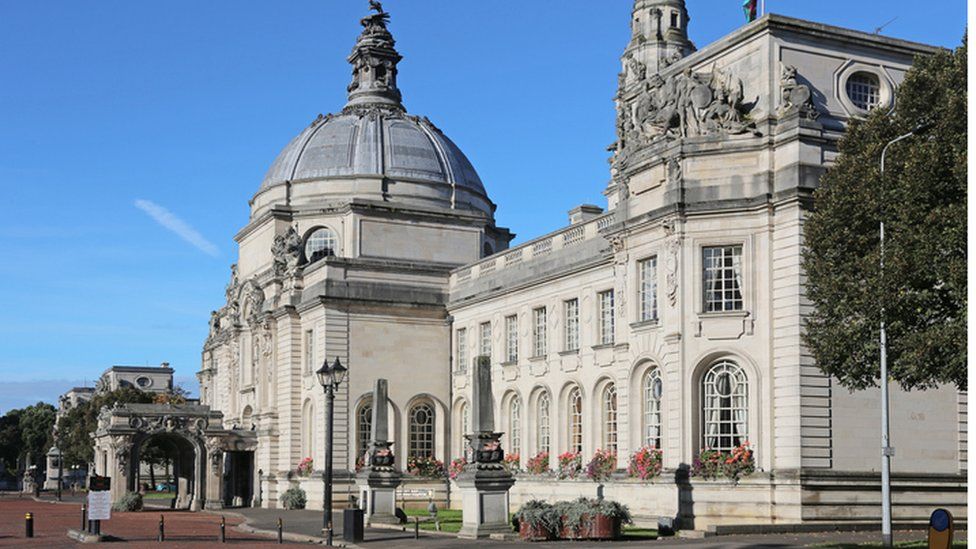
(762, 8)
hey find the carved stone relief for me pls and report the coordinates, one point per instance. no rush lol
(795, 97)
(287, 250)
(671, 261)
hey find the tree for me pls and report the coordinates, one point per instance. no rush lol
(923, 288)
(36, 432)
(10, 440)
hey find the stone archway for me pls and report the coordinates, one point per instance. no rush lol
(198, 432)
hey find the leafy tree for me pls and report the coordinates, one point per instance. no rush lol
(36, 432)
(923, 290)
(10, 440)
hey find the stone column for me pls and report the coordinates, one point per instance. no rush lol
(379, 479)
(484, 483)
(212, 467)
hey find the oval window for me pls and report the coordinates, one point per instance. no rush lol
(143, 382)
(321, 243)
(864, 90)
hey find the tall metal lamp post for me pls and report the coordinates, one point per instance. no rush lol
(330, 377)
(886, 450)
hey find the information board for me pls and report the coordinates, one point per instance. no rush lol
(99, 505)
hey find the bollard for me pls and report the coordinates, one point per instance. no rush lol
(416, 527)
(280, 541)
(223, 530)
(84, 517)
(29, 525)
(162, 532)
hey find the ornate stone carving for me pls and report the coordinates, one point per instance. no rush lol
(795, 97)
(215, 453)
(287, 250)
(121, 446)
(233, 285)
(636, 71)
(253, 295)
(675, 173)
(671, 261)
(685, 104)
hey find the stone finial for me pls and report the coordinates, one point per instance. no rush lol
(374, 64)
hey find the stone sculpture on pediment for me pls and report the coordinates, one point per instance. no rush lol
(685, 104)
(233, 285)
(795, 97)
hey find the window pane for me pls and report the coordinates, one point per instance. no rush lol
(572, 325)
(511, 338)
(539, 344)
(725, 407)
(515, 426)
(421, 443)
(575, 420)
(610, 418)
(462, 351)
(484, 347)
(648, 289)
(543, 418)
(722, 278)
(605, 300)
(365, 428)
(651, 388)
(321, 243)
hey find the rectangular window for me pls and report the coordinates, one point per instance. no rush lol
(484, 339)
(605, 301)
(309, 352)
(462, 350)
(647, 272)
(539, 346)
(511, 338)
(722, 278)
(572, 324)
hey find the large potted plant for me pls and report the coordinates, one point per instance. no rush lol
(596, 519)
(537, 521)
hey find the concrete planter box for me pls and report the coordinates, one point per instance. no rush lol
(599, 527)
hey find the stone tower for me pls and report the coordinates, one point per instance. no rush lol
(659, 37)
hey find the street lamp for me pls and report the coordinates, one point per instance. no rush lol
(60, 469)
(886, 450)
(330, 377)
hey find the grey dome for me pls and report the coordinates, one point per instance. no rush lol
(381, 143)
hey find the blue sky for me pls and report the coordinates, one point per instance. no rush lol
(132, 135)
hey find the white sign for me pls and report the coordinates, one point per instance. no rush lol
(99, 505)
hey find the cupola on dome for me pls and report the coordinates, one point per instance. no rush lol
(373, 149)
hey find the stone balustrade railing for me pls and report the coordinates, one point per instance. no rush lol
(539, 247)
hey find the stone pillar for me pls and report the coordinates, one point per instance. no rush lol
(379, 479)
(484, 483)
(212, 467)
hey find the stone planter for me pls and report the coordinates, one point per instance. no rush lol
(598, 527)
(529, 532)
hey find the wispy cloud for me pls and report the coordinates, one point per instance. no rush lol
(177, 226)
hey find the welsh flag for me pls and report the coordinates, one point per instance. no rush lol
(749, 8)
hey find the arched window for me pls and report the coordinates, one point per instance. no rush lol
(308, 429)
(515, 425)
(465, 429)
(651, 390)
(421, 443)
(364, 428)
(575, 407)
(321, 243)
(725, 407)
(610, 418)
(542, 416)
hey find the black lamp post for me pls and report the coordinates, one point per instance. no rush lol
(330, 377)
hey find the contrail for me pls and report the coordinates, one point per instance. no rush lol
(177, 226)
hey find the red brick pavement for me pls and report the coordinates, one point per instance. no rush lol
(52, 521)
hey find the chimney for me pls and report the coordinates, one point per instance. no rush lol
(584, 212)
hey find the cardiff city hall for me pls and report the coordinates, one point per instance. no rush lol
(666, 322)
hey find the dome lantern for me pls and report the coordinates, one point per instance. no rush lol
(374, 63)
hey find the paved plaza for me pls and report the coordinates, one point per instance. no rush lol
(255, 527)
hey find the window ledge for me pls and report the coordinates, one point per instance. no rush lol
(646, 324)
(570, 352)
(512, 363)
(725, 314)
(460, 373)
(539, 358)
(603, 346)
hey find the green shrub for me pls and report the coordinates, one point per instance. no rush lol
(573, 512)
(131, 501)
(294, 498)
(539, 515)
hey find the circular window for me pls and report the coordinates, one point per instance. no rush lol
(321, 243)
(864, 90)
(143, 382)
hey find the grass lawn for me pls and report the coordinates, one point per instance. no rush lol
(158, 495)
(635, 533)
(450, 519)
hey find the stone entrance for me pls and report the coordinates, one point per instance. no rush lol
(200, 445)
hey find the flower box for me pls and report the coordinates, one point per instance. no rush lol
(592, 527)
(529, 532)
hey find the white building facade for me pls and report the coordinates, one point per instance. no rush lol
(670, 319)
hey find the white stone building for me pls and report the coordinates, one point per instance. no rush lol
(671, 318)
